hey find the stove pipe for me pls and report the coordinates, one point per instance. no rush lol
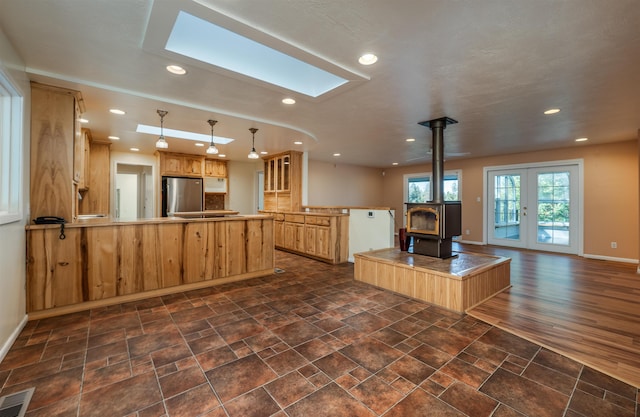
(437, 127)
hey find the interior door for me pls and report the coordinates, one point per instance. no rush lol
(535, 208)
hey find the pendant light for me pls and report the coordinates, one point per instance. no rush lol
(212, 150)
(253, 154)
(161, 143)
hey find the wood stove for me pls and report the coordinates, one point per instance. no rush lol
(433, 224)
(432, 227)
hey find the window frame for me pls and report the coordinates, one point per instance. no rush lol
(425, 175)
(11, 150)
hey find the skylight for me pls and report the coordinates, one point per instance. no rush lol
(182, 134)
(206, 42)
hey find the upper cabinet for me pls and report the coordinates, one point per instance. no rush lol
(215, 168)
(55, 131)
(95, 200)
(81, 152)
(180, 165)
(283, 182)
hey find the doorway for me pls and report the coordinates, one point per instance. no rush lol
(535, 207)
(133, 191)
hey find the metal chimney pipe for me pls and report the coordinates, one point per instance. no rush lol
(437, 127)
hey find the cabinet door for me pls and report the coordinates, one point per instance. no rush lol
(53, 124)
(279, 233)
(192, 165)
(215, 168)
(285, 174)
(270, 175)
(299, 238)
(323, 242)
(310, 235)
(171, 164)
(54, 269)
(80, 140)
(294, 236)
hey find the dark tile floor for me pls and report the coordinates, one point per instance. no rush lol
(307, 342)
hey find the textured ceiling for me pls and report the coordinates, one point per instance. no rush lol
(494, 66)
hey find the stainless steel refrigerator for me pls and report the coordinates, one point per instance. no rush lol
(180, 195)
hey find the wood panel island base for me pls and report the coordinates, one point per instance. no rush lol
(457, 283)
(103, 262)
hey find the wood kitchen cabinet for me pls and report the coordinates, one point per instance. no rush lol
(81, 156)
(96, 197)
(278, 229)
(55, 131)
(294, 232)
(180, 165)
(106, 263)
(320, 236)
(192, 165)
(283, 182)
(215, 168)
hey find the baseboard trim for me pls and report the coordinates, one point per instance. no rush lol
(611, 258)
(12, 338)
(470, 242)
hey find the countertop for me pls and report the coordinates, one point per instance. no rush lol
(109, 221)
(205, 213)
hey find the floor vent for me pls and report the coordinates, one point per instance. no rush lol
(15, 405)
(276, 270)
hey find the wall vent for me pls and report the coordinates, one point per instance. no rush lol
(15, 405)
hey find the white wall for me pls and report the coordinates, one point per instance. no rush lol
(243, 186)
(12, 235)
(335, 184)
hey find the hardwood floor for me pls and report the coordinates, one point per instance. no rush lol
(588, 310)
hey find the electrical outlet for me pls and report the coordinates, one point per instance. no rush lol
(371, 214)
(614, 245)
(467, 232)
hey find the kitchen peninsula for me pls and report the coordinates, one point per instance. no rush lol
(103, 261)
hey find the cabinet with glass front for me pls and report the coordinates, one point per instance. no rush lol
(283, 182)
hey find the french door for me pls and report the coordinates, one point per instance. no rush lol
(535, 208)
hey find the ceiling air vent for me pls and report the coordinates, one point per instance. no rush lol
(15, 405)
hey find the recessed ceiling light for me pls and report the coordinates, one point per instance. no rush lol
(117, 111)
(395, 163)
(551, 111)
(582, 139)
(410, 139)
(368, 59)
(83, 120)
(297, 142)
(199, 144)
(134, 149)
(114, 137)
(263, 152)
(288, 100)
(176, 69)
(221, 155)
(336, 154)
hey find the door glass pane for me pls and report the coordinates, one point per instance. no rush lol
(507, 207)
(279, 174)
(553, 208)
(285, 174)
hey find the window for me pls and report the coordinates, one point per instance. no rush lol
(11, 104)
(418, 187)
